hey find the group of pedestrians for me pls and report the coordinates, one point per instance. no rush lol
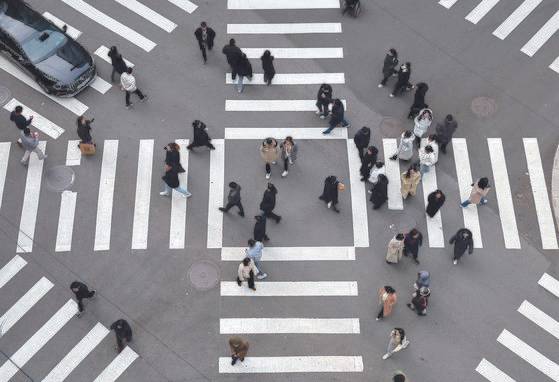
(127, 79)
(28, 140)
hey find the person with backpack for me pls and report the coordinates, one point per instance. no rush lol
(367, 162)
(233, 53)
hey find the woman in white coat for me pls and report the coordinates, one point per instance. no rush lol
(421, 124)
(405, 148)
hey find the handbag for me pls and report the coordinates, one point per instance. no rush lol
(341, 186)
(87, 148)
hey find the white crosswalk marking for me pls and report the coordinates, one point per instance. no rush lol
(78, 353)
(105, 198)
(291, 288)
(143, 195)
(185, 5)
(73, 153)
(289, 28)
(66, 221)
(282, 4)
(492, 373)
(39, 122)
(395, 201)
(272, 105)
(555, 65)
(215, 198)
(177, 233)
(549, 283)
(100, 85)
(102, 52)
(293, 253)
(481, 10)
(541, 37)
(539, 191)
(121, 362)
(22, 306)
(148, 14)
(434, 224)
(298, 53)
(11, 269)
(447, 3)
(301, 364)
(540, 318)
(294, 79)
(111, 24)
(280, 132)
(70, 31)
(4, 157)
(289, 326)
(30, 202)
(516, 18)
(358, 198)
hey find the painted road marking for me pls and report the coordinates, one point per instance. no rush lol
(100, 85)
(148, 14)
(293, 79)
(395, 201)
(291, 288)
(492, 373)
(280, 132)
(66, 221)
(143, 195)
(293, 253)
(73, 153)
(185, 5)
(118, 365)
(300, 364)
(555, 65)
(481, 10)
(282, 4)
(70, 31)
(549, 283)
(447, 3)
(103, 53)
(434, 224)
(539, 191)
(289, 326)
(516, 18)
(299, 53)
(215, 198)
(540, 318)
(541, 37)
(288, 28)
(11, 269)
(106, 194)
(358, 198)
(41, 123)
(272, 105)
(4, 158)
(177, 233)
(503, 192)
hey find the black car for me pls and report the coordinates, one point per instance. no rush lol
(60, 65)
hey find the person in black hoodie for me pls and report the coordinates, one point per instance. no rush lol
(243, 68)
(418, 100)
(84, 129)
(445, 131)
(337, 117)
(201, 137)
(81, 291)
(435, 202)
(269, 203)
(260, 229)
(234, 199)
(389, 66)
(323, 99)
(379, 192)
(403, 82)
(361, 140)
(20, 121)
(233, 54)
(463, 241)
(412, 242)
(205, 36)
(369, 159)
(330, 192)
(123, 333)
(119, 66)
(268, 67)
(173, 156)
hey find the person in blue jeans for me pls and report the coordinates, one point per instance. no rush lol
(337, 117)
(254, 252)
(171, 182)
(480, 188)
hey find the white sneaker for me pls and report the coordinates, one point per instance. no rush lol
(163, 193)
(261, 276)
(455, 262)
(391, 95)
(317, 112)
(322, 116)
(386, 356)
(268, 175)
(380, 86)
(284, 174)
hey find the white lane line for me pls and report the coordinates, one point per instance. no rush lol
(73, 153)
(447, 3)
(282, 4)
(464, 175)
(177, 233)
(272, 105)
(4, 158)
(118, 365)
(38, 340)
(11, 269)
(481, 10)
(555, 65)
(492, 373)
(434, 224)
(22, 306)
(66, 221)
(100, 85)
(294, 79)
(288, 28)
(111, 24)
(49, 128)
(106, 194)
(102, 52)
(300, 364)
(529, 354)
(289, 326)
(549, 283)
(185, 5)
(215, 198)
(358, 198)
(299, 53)
(280, 132)
(395, 201)
(143, 195)
(516, 18)
(293, 253)
(30, 202)
(71, 104)
(78, 353)
(70, 31)
(540, 318)
(503, 192)
(148, 14)
(541, 36)
(291, 288)
(539, 191)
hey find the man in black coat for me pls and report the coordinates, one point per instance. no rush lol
(463, 240)
(233, 54)
(269, 203)
(367, 162)
(81, 291)
(123, 333)
(205, 36)
(435, 202)
(243, 69)
(234, 199)
(361, 140)
(201, 137)
(330, 192)
(445, 131)
(260, 229)
(21, 122)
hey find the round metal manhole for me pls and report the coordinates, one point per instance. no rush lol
(484, 107)
(391, 127)
(203, 275)
(59, 178)
(5, 94)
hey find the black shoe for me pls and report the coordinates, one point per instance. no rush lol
(233, 361)
(394, 157)
(416, 261)
(222, 209)
(278, 220)
(410, 306)
(241, 214)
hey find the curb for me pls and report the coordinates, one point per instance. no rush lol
(555, 185)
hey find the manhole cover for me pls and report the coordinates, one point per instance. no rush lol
(391, 127)
(203, 275)
(59, 178)
(4, 94)
(484, 106)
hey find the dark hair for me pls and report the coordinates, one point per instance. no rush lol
(366, 129)
(26, 131)
(19, 109)
(408, 133)
(413, 231)
(412, 167)
(382, 179)
(289, 138)
(393, 51)
(401, 331)
(246, 261)
(428, 149)
(269, 141)
(251, 242)
(174, 146)
(203, 24)
(449, 118)
(400, 236)
(266, 53)
(372, 149)
(379, 164)
(129, 70)
(483, 183)
(233, 185)
(232, 41)
(434, 137)
(388, 289)
(337, 102)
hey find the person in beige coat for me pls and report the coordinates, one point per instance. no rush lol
(410, 180)
(239, 349)
(480, 189)
(246, 272)
(395, 249)
(269, 151)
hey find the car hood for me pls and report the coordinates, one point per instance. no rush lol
(59, 65)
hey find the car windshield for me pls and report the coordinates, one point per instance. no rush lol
(42, 45)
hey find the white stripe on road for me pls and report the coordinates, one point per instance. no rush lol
(503, 192)
(66, 221)
(291, 288)
(177, 232)
(447, 3)
(185, 5)
(118, 365)
(529, 354)
(11, 269)
(70, 31)
(358, 198)
(555, 65)
(549, 283)
(289, 28)
(100, 85)
(541, 37)
(492, 373)
(282, 4)
(280, 132)
(215, 198)
(4, 158)
(102, 52)
(73, 153)
(300, 53)
(22, 306)
(106, 195)
(516, 18)
(38, 340)
(78, 353)
(148, 14)
(540, 318)
(434, 224)
(39, 122)
(289, 326)
(300, 364)
(71, 104)
(293, 253)
(464, 175)
(272, 105)
(111, 24)
(30, 202)
(395, 201)
(539, 191)
(481, 10)
(293, 79)
(143, 195)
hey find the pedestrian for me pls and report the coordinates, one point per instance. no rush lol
(423, 280)
(386, 300)
(200, 137)
(246, 272)
(395, 249)
(412, 242)
(269, 151)
(349, 6)
(20, 121)
(259, 232)
(330, 193)
(30, 143)
(377, 169)
(445, 131)
(81, 291)
(389, 66)
(369, 159)
(239, 349)
(323, 100)
(171, 182)
(463, 241)
(480, 189)
(410, 179)
(268, 67)
(337, 117)
(84, 129)
(268, 203)
(420, 301)
(117, 62)
(254, 252)
(123, 333)
(379, 192)
(243, 69)
(421, 124)
(397, 342)
(205, 36)
(427, 158)
(435, 202)
(234, 199)
(173, 156)
(361, 140)
(418, 100)
(233, 54)
(403, 82)
(399, 376)
(128, 84)
(289, 151)
(405, 148)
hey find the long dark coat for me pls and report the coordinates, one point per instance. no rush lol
(446, 130)
(419, 97)
(367, 163)
(173, 159)
(269, 200)
(268, 65)
(412, 244)
(434, 204)
(210, 35)
(122, 329)
(171, 177)
(84, 132)
(390, 63)
(461, 244)
(243, 67)
(379, 192)
(330, 192)
(233, 54)
(260, 229)
(403, 78)
(362, 138)
(201, 137)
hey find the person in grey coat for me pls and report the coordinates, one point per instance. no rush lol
(234, 199)
(30, 143)
(463, 240)
(445, 131)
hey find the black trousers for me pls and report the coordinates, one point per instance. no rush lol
(138, 92)
(80, 303)
(385, 78)
(113, 74)
(121, 342)
(361, 151)
(286, 164)
(194, 144)
(271, 214)
(232, 204)
(268, 168)
(323, 106)
(381, 312)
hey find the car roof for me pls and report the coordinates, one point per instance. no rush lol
(20, 21)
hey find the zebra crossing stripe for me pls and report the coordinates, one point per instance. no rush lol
(481, 10)
(177, 233)
(492, 373)
(293, 79)
(143, 195)
(282, 4)
(395, 201)
(38, 340)
(103, 53)
(539, 191)
(185, 5)
(148, 14)
(78, 353)
(297, 364)
(272, 105)
(39, 122)
(289, 28)
(121, 362)
(289, 326)
(11, 269)
(73, 153)
(215, 197)
(66, 221)
(291, 288)
(280, 132)
(70, 31)
(100, 85)
(4, 158)
(540, 318)
(105, 198)
(555, 65)
(549, 283)
(298, 53)
(358, 198)
(293, 253)
(111, 24)
(516, 18)
(541, 37)
(447, 3)
(434, 224)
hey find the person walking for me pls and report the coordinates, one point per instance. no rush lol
(20, 121)
(418, 100)
(269, 152)
(420, 301)
(395, 249)
(405, 148)
(200, 136)
(421, 124)
(233, 53)
(246, 272)
(427, 158)
(389, 66)
(254, 252)
(379, 192)
(30, 143)
(123, 333)
(403, 82)
(128, 84)
(243, 69)
(337, 117)
(423, 280)
(81, 291)
(268, 67)
(410, 179)
(268, 203)
(480, 189)
(239, 349)
(330, 193)
(463, 241)
(412, 242)
(259, 231)
(435, 202)
(84, 129)
(361, 140)
(369, 159)
(234, 199)
(173, 156)
(397, 342)
(445, 131)
(377, 169)
(386, 300)
(171, 182)
(323, 100)
(205, 36)
(289, 151)
(117, 62)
